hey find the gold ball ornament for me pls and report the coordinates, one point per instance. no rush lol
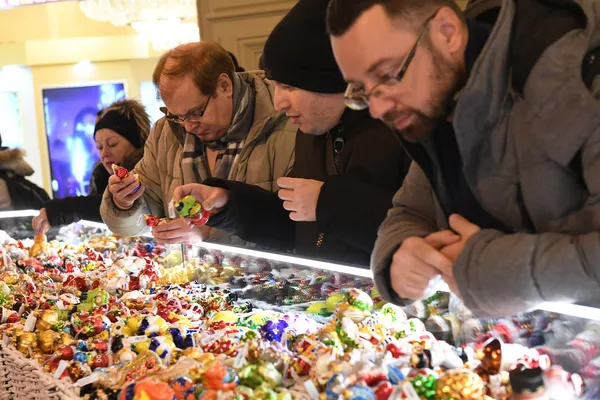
(26, 341)
(47, 340)
(460, 384)
(65, 339)
(46, 320)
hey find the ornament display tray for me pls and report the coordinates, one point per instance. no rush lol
(24, 379)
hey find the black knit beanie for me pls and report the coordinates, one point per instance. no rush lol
(126, 127)
(298, 51)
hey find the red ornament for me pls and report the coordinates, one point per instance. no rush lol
(70, 266)
(301, 367)
(384, 390)
(66, 352)
(121, 172)
(54, 260)
(101, 347)
(32, 263)
(31, 288)
(91, 326)
(150, 273)
(222, 346)
(95, 284)
(77, 282)
(395, 350)
(167, 314)
(151, 220)
(100, 360)
(301, 345)
(134, 283)
(219, 325)
(8, 316)
(374, 379)
(93, 255)
(201, 218)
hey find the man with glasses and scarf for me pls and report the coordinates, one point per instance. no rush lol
(503, 198)
(218, 124)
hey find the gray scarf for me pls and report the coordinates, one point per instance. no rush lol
(194, 162)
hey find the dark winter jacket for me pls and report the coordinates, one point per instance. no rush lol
(354, 200)
(72, 209)
(16, 191)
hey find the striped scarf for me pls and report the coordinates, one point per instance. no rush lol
(194, 162)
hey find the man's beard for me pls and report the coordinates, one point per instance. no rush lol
(446, 80)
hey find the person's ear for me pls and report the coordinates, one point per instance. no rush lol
(225, 85)
(447, 31)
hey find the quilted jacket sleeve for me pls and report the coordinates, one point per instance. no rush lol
(412, 214)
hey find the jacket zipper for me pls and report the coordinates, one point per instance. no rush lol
(320, 240)
(338, 146)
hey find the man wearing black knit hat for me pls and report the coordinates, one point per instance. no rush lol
(347, 165)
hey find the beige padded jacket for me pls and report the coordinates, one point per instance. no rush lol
(268, 154)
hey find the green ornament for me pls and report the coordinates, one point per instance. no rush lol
(271, 376)
(284, 395)
(425, 386)
(264, 393)
(4, 299)
(333, 300)
(346, 340)
(249, 377)
(245, 391)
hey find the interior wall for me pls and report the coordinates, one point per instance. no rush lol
(242, 26)
(20, 81)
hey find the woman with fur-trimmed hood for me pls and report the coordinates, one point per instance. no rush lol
(16, 191)
(120, 134)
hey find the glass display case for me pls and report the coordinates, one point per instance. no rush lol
(279, 327)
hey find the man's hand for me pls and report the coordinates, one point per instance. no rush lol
(124, 191)
(300, 196)
(213, 199)
(40, 223)
(418, 261)
(465, 229)
(178, 231)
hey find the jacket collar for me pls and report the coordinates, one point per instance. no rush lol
(349, 120)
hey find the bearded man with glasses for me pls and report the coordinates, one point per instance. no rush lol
(218, 124)
(503, 198)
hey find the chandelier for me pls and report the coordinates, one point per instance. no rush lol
(167, 23)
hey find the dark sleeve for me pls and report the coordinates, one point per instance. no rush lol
(99, 180)
(72, 209)
(255, 215)
(353, 204)
(26, 193)
(39, 192)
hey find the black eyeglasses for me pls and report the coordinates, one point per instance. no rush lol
(192, 117)
(358, 99)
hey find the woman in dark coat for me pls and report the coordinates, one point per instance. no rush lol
(120, 135)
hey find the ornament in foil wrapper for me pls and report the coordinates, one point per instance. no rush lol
(460, 384)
